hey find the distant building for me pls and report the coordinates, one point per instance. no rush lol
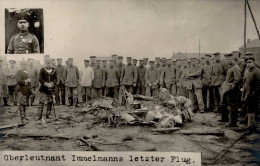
(254, 47)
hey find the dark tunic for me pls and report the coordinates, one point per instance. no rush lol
(23, 88)
(46, 77)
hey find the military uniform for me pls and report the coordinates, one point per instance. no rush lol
(207, 91)
(219, 70)
(128, 77)
(230, 92)
(60, 85)
(71, 76)
(141, 80)
(251, 94)
(24, 92)
(98, 81)
(23, 43)
(11, 83)
(168, 77)
(152, 79)
(3, 88)
(34, 76)
(194, 87)
(47, 76)
(112, 78)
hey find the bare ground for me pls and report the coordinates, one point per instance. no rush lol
(234, 148)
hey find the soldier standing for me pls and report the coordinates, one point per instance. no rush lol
(219, 70)
(251, 92)
(23, 80)
(120, 64)
(112, 78)
(92, 61)
(129, 76)
(182, 79)
(60, 84)
(115, 58)
(152, 79)
(157, 63)
(146, 65)
(86, 78)
(71, 76)
(23, 42)
(168, 77)
(99, 80)
(11, 83)
(194, 85)
(104, 65)
(230, 92)
(135, 62)
(34, 76)
(48, 79)
(141, 78)
(207, 92)
(3, 88)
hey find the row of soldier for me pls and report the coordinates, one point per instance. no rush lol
(210, 83)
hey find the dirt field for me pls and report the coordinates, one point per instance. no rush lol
(234, 147)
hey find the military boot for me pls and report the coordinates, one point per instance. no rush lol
(48, 110)
(251, 121)
(40, 110)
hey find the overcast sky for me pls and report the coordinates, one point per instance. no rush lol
(142, 28)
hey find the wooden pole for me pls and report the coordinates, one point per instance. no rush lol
(199, 48)
(253, 18)
(245, 28)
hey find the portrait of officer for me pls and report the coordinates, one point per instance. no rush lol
(24, 33)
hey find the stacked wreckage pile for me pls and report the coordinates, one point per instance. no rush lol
(166, 111)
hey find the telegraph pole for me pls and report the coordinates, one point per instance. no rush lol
(245, 27)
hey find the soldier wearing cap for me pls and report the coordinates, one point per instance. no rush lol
(135, 62)
(115, 58)
(104, 64)
(34, 76)
(92, 61)
(99, 80)
(183, 80)
(194, 85)
(230, 92)
(168, 77)
(23, 42)
(157, 62)
(207, 92)
(23, 80)
(178, 75)
(202, 61)
(112, 79)
(251, 93)
(71, 76)
(60, 84)
(11, 83)
(86, 78)
(129, 76)
(146, 65)
(48, 79)
(3, 88)
(53, 63)
(219, 70)
(141, 78)
(120, 64)
(152, 79)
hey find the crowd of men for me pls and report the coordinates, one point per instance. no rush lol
(211, 83)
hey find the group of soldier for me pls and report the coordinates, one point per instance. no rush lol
(211, 83)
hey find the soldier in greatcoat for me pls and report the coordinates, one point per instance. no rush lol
(141, 78)
(152, 79)
(98, 82)
(112, 78)
(60, 84)
(168, 77)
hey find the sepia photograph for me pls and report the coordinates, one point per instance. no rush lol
(24, 31)
(130, 82)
